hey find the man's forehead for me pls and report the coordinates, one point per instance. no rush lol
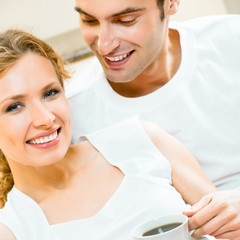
(115, 14)
(109, 8)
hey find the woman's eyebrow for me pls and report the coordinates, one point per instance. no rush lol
(48, 86)
(22, 96)
(14, 97)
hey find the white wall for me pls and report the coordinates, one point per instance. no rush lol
(196, 8)
(46, 18)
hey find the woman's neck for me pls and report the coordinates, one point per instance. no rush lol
(38, 182)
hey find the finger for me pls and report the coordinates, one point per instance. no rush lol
(230, 226)
(189, 212)
(206, 214)
(206, 229)
(198, 206)
(215, 226)
(229, 235)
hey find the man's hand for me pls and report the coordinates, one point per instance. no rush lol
(216, 214)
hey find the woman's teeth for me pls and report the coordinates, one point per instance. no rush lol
(44, 139)
(118, 58)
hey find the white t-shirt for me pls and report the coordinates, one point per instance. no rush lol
(145, 192)
(200, 105)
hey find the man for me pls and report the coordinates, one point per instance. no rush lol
(184, 77)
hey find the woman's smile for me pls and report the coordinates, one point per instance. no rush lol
(33, 107)
(46, 140)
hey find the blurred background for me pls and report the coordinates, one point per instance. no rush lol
(56, 22)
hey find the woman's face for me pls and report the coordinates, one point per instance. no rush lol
(35, 123)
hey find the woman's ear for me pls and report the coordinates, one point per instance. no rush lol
(173, 6)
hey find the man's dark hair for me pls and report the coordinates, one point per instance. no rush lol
(160, 4)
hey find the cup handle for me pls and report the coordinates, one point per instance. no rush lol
(190, 234)
(192, 238)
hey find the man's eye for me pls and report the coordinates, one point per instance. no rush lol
(51, 93)
(86, 19)
(127, 20)
(13, 107)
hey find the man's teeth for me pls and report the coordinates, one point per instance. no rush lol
(44, 139)
(118, 58)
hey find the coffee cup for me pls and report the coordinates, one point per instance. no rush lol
(168, 227)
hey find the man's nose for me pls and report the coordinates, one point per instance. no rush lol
(107, 40)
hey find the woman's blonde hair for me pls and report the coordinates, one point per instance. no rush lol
(14, 44)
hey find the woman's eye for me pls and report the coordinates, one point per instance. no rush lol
(13, 107)
(51, 93)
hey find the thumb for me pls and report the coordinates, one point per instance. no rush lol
(189, 212)
(204, 201)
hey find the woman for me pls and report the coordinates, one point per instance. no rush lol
(98, 189)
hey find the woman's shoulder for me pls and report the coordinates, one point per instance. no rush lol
(81, 150)
(5, 233)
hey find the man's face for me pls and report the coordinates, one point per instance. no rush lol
(127, 36)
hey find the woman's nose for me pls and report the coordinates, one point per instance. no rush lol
(42, 116)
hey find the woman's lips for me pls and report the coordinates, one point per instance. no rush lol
(46, 141)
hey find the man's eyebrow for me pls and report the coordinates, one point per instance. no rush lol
(125, 11)
(128, 10)
(79, 10)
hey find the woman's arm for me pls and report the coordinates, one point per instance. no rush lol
(5, 233)
(218, 212)
(187, 176)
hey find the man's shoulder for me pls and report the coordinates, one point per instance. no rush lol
(211, 22)
(83, 79)
(217, 29)
(211, 19)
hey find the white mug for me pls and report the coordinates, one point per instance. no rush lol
(179, 232)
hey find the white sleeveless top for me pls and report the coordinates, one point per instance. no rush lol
(144, 193)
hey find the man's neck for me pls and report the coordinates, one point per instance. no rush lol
(158, 74)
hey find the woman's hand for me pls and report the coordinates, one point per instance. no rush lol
(216, 214)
